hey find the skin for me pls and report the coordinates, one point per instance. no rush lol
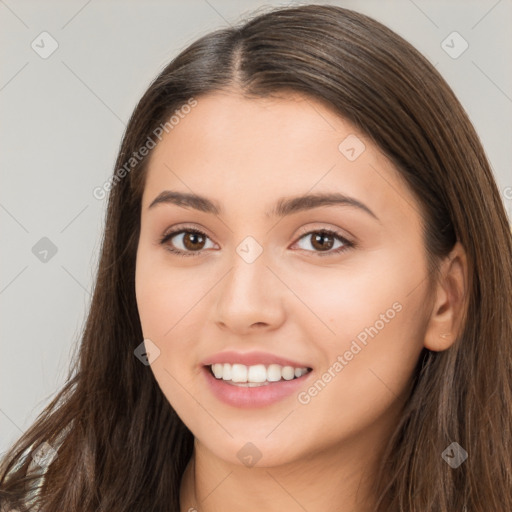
(291, 301)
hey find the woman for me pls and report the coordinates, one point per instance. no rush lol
(303, 296)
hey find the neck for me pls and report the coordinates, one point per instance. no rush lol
(340, 475)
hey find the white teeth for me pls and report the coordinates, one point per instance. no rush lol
(274, 373)
(225, 370)
(257, 373)
(288, 372)
(238, 373)
(217, 370)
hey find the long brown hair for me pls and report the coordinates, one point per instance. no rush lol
(120, 445)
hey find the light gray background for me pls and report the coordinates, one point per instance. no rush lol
(62, 119)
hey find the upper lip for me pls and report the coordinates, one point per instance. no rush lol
(252, 358)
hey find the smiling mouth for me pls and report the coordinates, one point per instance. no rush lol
(256, 375)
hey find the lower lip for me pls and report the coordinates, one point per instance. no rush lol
(248, 397)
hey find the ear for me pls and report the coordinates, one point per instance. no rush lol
(449, 304)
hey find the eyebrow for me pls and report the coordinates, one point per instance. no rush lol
(283, 207)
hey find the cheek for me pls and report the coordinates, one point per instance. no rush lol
(366, 291)
(165, 300)
(368, 326)
(171, 303)
(164, 294)
(341, 302)
(363, 378)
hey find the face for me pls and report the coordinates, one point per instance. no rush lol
(336, 287)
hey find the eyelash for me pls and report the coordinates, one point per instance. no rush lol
(347, 244)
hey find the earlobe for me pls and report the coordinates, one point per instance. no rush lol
(449, 307)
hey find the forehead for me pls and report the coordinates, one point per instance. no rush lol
(246, 153)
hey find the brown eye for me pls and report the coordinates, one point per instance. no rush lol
(193, 240)
(323, 240)
(185, 242)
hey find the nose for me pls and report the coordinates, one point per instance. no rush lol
(250, 297)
